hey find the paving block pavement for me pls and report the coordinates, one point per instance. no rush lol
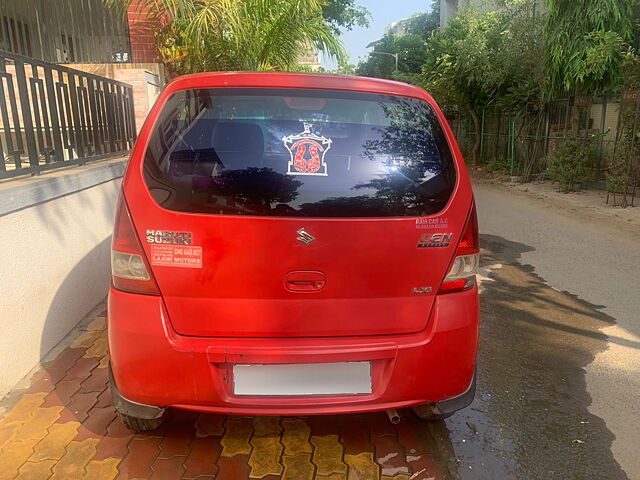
(63, 426)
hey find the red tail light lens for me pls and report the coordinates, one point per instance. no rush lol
(469, 243)
(130, 271)
(462, 274)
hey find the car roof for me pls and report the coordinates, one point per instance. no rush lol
(297, 80)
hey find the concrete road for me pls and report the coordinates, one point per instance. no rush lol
(559, 392)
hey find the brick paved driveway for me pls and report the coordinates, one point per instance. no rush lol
(64, 427)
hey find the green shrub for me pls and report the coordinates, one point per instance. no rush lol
(500, 164)
(572, 164)
(618, 178)
(624, 167)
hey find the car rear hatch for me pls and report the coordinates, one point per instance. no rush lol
(293, 212)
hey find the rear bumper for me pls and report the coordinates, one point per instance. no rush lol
(153, 366)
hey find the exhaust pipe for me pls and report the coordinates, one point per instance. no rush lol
(394, 416)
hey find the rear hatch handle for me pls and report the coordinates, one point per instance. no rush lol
(305, 281)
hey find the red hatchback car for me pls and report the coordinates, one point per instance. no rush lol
(293, 244)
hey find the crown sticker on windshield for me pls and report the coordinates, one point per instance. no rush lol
(307, 152)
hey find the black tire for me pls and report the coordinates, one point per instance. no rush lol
(426, 412)
(141, 424)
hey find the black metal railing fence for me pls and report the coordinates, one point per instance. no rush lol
(53, 116)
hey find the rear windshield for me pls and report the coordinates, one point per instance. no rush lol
(296, 152)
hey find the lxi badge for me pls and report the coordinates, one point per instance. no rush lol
(435, 240)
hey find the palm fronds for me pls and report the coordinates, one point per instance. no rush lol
(237, 34)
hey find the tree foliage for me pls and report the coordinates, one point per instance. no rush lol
(424, 24)
(271, 34)
(584, 41)
(345, 14)
(518, 57)
(484, 59)
(411, 50)
(205, 35)
(410, 47)
(487, 59)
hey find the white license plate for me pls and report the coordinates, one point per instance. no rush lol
(342, 378)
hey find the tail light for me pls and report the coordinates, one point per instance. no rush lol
(130, 271)
(462, 274)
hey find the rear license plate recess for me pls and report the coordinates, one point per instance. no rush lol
(297, 379)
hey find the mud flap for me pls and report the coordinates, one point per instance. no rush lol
(451, 405)
(131, 408)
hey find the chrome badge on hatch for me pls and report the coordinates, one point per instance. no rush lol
(421, 290)
(304, 237)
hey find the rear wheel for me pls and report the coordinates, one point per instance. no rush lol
(141, 424)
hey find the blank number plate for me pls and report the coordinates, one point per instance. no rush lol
(343, 378)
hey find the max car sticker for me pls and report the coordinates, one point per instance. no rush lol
(176, 256)
(432, 223)
(307, 151)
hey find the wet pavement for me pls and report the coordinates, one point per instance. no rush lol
(531, 418)
(595, 258)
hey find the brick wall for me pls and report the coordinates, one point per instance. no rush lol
(144, 93)
(142, 35)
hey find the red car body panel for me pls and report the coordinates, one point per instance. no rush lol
(154, 365)
(178, 349)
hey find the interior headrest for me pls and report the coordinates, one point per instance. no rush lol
(238, 137)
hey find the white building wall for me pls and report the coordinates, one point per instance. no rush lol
(448, 10)
(54, 261)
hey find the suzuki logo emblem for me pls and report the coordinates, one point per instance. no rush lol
(304, 237)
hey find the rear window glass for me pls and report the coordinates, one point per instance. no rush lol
(296, 152)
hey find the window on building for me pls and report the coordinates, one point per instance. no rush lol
(68, 49)
(17, 35)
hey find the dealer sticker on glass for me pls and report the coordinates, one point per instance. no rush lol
(176, 256)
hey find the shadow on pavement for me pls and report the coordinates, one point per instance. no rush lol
(530, 418)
